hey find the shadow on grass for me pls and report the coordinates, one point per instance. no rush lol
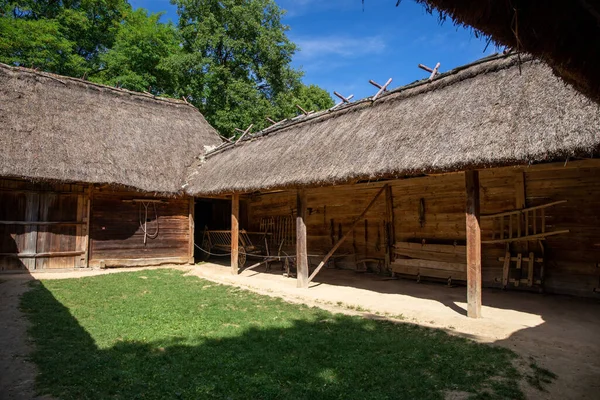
(137, 341)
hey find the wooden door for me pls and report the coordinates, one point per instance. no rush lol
(42, 229)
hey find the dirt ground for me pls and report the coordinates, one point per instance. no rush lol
(17, 374)
(561, 333)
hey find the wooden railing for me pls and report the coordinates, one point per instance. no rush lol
(282, 228)
(222, 238)
(521, 225)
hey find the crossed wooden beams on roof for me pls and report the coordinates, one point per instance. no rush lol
(382, 88)
(434, 71)
(244, 133)
(273, 123)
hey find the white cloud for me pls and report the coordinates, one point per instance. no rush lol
(311, 48)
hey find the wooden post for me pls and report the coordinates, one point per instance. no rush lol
(520, 199)
(191, 214)
(32, 208)
(301, 249)
(473, 245)
(235, 231)
(390, 228)
(86, 233)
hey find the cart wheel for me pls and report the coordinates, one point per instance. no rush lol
(205, 249)
(241, 257)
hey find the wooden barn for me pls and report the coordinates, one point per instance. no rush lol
(485, 175)
(92, 175)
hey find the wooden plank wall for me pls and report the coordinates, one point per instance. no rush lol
(571, 259)
(574, 257)
(22, 201)
(330, 211)
(116, 238)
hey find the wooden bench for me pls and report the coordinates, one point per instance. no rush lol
(440, 261)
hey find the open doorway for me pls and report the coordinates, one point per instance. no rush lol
(213, 214)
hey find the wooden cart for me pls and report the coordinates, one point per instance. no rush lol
(250, 243)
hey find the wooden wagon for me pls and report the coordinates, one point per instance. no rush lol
(250, 243)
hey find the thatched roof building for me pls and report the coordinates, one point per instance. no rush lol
(565, 34)
(498, 111)
(59, 128)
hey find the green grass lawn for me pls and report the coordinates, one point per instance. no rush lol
(161, 335)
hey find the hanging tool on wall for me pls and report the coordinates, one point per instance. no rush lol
(144, 226)
(143, 205)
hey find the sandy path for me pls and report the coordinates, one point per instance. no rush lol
(17, 374)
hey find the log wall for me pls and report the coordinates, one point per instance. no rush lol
(45, 226)
(42, 225)
(432, 208)
(117, 236)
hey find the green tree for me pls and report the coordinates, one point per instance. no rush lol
(310, 98)
(236, 58)
(231, 58)
(75, 30)
(138, 58)
(38, 44)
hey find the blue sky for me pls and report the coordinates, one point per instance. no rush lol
(342, 45)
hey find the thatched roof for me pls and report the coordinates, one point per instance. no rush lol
(565, 34)
(485, 114)
(59, 128)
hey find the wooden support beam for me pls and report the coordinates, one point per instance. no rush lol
(435, 71)
(519, 260)
(343, 238)
(86, 228)
(473, 245)
(225, 138)
(191, 213)
(45, 254)
(301, 248)
(32, 213)
(520, 200)
(425, 68)
(530, 270)
(381, 89)
(137, 262)
(539, 236)
(344, 99)
(390, 228)
(235, 231)
(244, 133)
(42, 223)
(523, 259)
(506, 267)
(487, 216)
(302, 110)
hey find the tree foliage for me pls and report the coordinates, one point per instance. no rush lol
(231, 58)
(76, 33)
(138, 58)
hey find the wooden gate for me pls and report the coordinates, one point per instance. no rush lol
(43, 225)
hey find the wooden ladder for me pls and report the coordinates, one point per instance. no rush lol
(521, 225)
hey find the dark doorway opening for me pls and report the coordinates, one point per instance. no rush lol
(213, 214)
